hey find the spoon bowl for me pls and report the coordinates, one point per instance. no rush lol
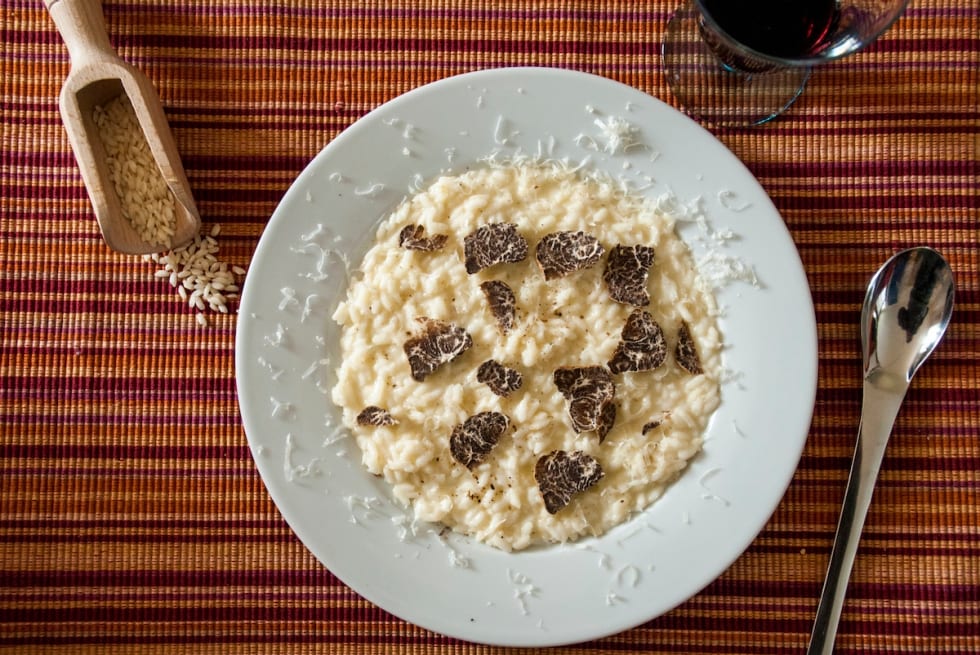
(905, 313)
(96, 77)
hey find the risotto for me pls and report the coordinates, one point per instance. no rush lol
(529, 355)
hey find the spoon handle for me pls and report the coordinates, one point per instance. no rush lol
(878, 412)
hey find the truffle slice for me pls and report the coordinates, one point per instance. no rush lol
(643, 347)
(496, 243)
(651, 425)
(503, 304)
(561, 253)
(411, 238)
(473, 439)
(607, 418)
(686, 353)
(590, 393)
(376, 416)
(439, 343)
(502, 380)
(561, 475)
(626, 274)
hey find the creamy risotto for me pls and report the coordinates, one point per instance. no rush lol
(515, 366)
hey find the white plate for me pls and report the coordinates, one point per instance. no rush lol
(543, 596)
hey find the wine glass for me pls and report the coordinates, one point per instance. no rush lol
(743, 62)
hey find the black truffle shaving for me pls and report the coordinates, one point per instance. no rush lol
(496, 243)
(376, 416)
(411, 238)
(626, 274)
(473, 439)
(643, 346)
(651, 425)
(439, 343)
(607, 418)
(590, 392)
(502, 381)
(561, 253)
(686, 353)
(503, 304)
(561, 475)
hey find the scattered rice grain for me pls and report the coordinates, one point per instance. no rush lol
(202, 280)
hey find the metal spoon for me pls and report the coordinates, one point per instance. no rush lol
(905, 313)
(97, 76)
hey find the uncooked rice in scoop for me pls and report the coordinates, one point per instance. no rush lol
(144, 197)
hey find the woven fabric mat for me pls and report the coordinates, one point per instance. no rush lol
(131, 516)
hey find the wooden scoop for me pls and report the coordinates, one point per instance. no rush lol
(97, 76)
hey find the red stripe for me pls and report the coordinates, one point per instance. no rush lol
(130, 471)
(131, 524)
(94, 451)
(252, 10)
(99, 304)
(103, 417)
(220, 532)
(71, 188)
(207, 162)
(282, 614)
(862, 123)
(33, 111)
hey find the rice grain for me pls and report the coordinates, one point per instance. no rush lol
(202, 280)
(144, 197)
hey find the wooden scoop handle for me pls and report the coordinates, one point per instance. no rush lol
(82, 27)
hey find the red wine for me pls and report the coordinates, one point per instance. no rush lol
(781, 28)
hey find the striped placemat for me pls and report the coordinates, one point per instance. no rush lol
(131, 516)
